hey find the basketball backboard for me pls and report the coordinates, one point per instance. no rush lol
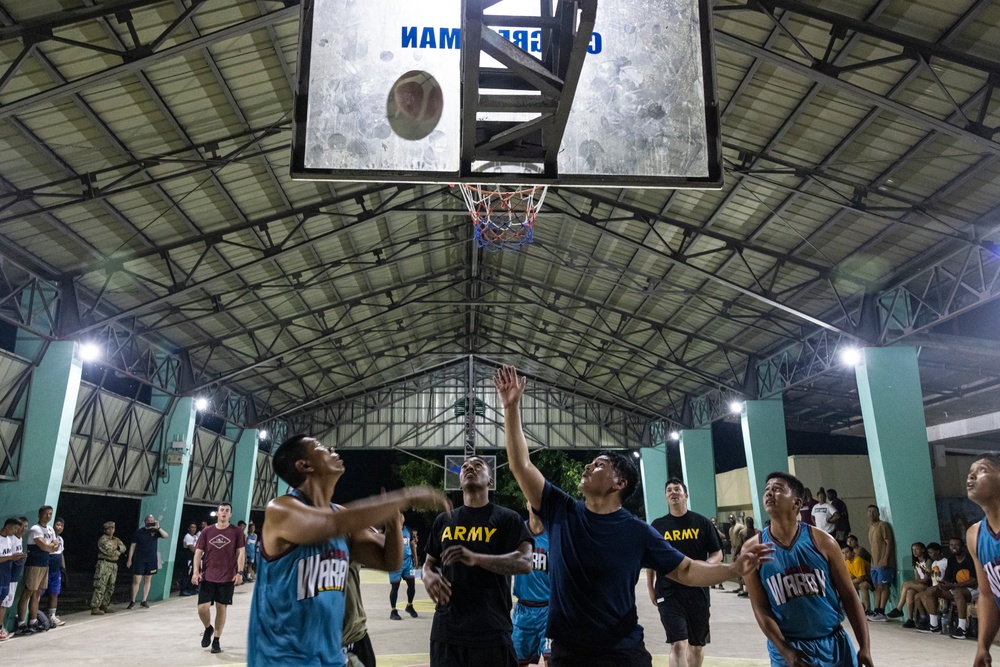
(563, 92)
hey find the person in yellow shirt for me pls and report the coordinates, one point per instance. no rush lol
(860, 571)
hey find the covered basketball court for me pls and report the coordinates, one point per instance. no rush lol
(825, 260)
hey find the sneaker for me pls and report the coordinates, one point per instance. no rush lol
(924, 626)
(935, 629)
(97, 611)
(24, 629)
(909, 624)
(131, 605)
(144, 604)
(958, 633)
(895, 613)
(215, 646)
(206, 638)
(878, 618)
(869, 613)
(394, 616)
(411, 611)
(4, 635)
(56, 621)
(742, 594)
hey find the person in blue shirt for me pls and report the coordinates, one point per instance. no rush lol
(297, 610)
(531, 613)
(251, 562)
(598, 549)
(800, 596)
(983, 542)
(405, 573)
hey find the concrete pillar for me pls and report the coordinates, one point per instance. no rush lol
(653, 468)
(893, 410)
(168, 502)
(48, 423)
(244, 474)
(698, 463)
(766, 447)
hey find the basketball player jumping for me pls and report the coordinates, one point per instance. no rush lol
(297, 612)
(983, 541)
(800, 596)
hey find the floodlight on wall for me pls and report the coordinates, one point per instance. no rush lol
(89, 352)
(201, 404)
(674, 435)
(850, 356)
(635, 453)
(262, 435)
(736, 407)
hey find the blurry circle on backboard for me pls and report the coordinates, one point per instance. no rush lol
(414, 105)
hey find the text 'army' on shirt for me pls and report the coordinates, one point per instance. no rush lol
(678, 535)
(796, 582)
(321, 572)
(464, 534)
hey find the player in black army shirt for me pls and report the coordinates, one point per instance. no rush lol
(471, 555)
(684, 611)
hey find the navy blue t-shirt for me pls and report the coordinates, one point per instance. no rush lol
(595, 562)
(145, 545)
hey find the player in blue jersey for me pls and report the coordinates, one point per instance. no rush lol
(983, 542)
(297, 612)
(800, 596)
(531, 613)
(598, 550)
(405, 573)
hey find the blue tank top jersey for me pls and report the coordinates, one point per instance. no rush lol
(799, 587)
(988, 553)
(534, 586)
(407, 550)
(297, 611)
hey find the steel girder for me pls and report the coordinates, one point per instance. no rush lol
(13, 402)
(210, 475)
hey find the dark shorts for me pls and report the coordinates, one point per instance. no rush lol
(143, 568)
(209, 591)
(564, 655)
(363, 651)
(684, 615)
(450, 655)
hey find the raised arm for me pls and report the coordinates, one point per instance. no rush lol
(510, 389)
(989, 617)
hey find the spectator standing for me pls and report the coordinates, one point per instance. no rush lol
(821, 513)
(841, 518)
(56, 567)
(684, 610)
(109, 550)
(749, 532)
(143, 558)
(859, 569)
(41, 543)
(405, 573)
(805, 512)
(188, 543)
(883, 543)
(724, 541)
(8, 557)
(223, 548)
(251, 565)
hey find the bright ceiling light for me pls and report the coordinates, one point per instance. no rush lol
(736, 407)
(636, 453)
(90, 352)
(851, 356)
(674, 435)
(201, 404)
(262, 435)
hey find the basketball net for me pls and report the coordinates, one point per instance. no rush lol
(503, 217)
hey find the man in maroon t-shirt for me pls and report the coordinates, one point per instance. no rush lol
(218, 561)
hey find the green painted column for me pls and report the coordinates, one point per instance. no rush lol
(893, 410)
(698, 463)
(48, 423)
(168, 502)
(244, 474)
(766, 447)
(653, 468)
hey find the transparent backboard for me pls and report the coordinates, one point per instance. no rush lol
(644, 112)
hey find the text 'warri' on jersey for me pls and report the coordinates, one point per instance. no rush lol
(321, 572)
(796, 582)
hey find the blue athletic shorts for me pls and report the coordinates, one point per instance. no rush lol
(884, 575)
(529, 631)
(833, 651)
(55, 583)
(405, 572)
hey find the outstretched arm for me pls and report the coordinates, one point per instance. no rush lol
(989, 617)
(702, 573)
(510, 389)
(515, 562)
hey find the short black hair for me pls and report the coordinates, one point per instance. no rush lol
(225, 504)
(875, 506)
(675, 480)
(992, 457)
(241, 523)
(793, 482)
(43, 508)
(831, 493)
(935, 545)
(289, 452)
(12, 521)
(625, 470)
(59, 519)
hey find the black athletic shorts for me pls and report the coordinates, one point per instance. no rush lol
(684, 615)
(210, 591)
(363, 651)
(143, 568)
(450, 655)
(564, 655)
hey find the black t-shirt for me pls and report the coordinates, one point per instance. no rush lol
(145, 545)
(478, 613)
(959, 573)
(693, 535)
(844, 522)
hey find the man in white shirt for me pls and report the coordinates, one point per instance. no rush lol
(821, 513)
(9, 534)
(56, 566)
(190, 540)
(41, 542)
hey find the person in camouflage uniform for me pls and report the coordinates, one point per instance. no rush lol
(109, 550)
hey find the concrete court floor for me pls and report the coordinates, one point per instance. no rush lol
(169, 634)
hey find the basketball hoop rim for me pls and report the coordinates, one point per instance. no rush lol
(493, 188)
